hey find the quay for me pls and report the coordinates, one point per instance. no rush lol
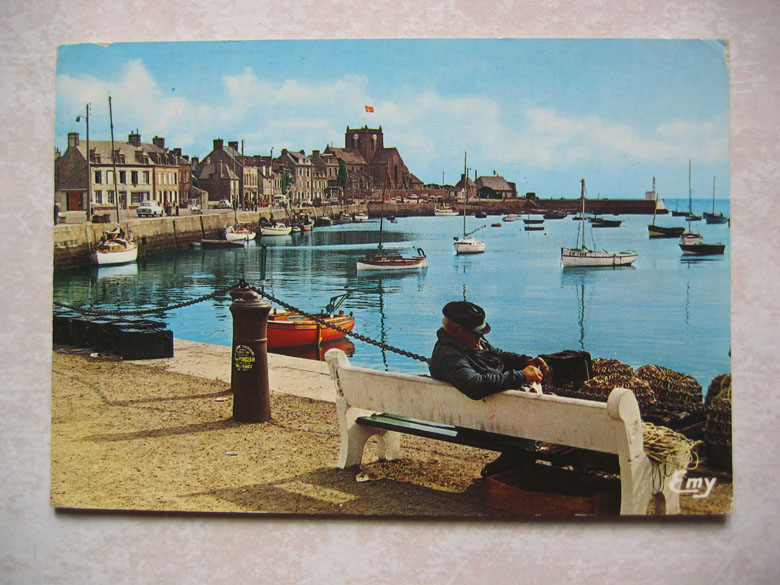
(73, 239)
(157, 435)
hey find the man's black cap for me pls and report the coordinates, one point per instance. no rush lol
(467, 315)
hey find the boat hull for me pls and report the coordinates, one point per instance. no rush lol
(657, 231)
(391, 262)
(469, 246)
(702, 249)
(275, 231)
(578, 257)
(239, 235)
(286, 329)
(221, 244)
(712, 218)
(113, 258)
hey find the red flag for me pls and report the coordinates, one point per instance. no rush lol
(370, 109)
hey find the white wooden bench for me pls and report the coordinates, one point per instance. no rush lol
(613, 427)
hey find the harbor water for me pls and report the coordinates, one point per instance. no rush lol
(666, 309)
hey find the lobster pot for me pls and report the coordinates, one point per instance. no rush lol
(610, 367)
(717, 425)
(599, 388)
(671, 388)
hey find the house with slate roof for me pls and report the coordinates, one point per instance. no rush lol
(495, 187)
(144, 171)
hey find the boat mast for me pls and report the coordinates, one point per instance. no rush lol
(465, 192)
(655, 195)
(382, 208)
(113, 157)
(713, 195)
(582, 196)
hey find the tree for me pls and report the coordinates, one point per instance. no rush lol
(343, 177)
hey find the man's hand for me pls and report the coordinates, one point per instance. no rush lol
(533, 374)
(541, 364)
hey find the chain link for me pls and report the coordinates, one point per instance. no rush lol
(261, 292)
(324, 323)
(138, 312)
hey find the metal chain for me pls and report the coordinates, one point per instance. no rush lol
(242, 283)
(347, 332)
(138, 312)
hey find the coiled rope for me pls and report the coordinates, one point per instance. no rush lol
(664, 446)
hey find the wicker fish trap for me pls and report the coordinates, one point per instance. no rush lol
(670, 387)
(610, 367)
(599, 387)
(717, 422)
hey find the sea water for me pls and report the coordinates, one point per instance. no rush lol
(666, 309)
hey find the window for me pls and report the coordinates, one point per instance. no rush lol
(123, 177)
(146, 177)
(111, 198)
(97, 197)
(98, 177)
(134, 177)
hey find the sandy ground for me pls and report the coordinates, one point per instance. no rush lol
(158, 435)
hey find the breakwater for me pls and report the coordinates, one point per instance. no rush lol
(73, 242)
(595, 206)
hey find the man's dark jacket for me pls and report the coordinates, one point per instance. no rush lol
(476, 372)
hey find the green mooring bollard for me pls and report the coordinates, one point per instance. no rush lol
(249, 367)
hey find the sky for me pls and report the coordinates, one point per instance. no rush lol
(543, 113)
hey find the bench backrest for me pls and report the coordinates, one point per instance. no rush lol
(612, 427)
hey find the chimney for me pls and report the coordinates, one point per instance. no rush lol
(233, 144)
(134, 138)
(177, 152)
(73, 139)
(315, 154)
(217, 144)
(159, 142)
(195, 160)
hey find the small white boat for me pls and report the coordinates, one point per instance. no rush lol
(469, 245)
(511, 217)
(114, 248)
(278, 229)
(241, 233)
(361, 216)
(445, 211)
(582, 256)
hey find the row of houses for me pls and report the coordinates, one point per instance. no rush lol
(101, 175)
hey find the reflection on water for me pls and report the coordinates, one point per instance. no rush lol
(663, 309)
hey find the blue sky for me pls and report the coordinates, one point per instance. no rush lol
(543, 113)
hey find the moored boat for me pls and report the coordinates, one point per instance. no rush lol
(277, 229)
(691, 243)
(240, 233)
(445, 211)
(713, 218)
(582, 256)
(392, 261)
(466, 244)
(361, 216)
(288, 329)
(114, 248)
(554, 215)
(658, 231)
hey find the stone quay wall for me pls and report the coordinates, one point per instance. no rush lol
(73, 242)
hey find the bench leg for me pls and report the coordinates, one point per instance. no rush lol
(389, 446)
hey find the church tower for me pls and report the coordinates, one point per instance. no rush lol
(367, 141)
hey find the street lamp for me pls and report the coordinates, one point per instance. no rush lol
(89, 172)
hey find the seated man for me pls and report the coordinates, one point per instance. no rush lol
(466, 360)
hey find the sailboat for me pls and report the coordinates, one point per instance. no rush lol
(692, 244)
(658, 231)
(382, 260)
(711, 217)
(467, 244)
(583, 256)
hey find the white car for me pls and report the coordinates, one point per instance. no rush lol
(224, 204)
(150, 209)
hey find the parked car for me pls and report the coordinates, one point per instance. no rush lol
(224, 204)
(194, 208)
(150, 209)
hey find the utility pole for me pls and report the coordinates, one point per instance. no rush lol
(89, 169)
(113, 157)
